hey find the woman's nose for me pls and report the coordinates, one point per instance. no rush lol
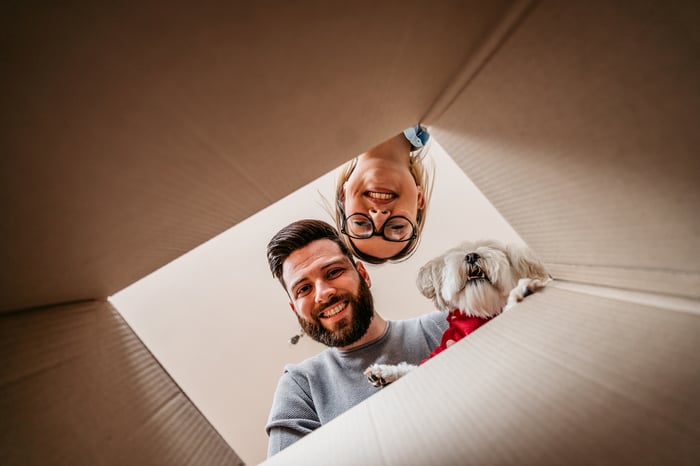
(379, 217)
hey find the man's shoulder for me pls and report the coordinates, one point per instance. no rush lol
(310, 364)
(430, 318)
(432, 324)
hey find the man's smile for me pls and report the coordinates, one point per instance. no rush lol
(333, 311)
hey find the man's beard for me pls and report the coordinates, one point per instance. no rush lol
(346, 332)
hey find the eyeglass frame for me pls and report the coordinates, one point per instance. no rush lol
(374, 233)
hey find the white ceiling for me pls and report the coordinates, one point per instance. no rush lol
(220, 324)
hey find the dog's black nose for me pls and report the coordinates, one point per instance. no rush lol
(471, 258)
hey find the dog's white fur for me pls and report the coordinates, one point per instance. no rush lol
(501, 276)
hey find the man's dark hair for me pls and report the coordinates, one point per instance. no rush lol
(295, 236)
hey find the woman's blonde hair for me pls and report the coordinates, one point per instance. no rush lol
(423, 171)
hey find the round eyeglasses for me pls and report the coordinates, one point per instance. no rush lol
(397, 229)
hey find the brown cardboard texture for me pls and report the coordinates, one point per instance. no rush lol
(582, 132)
(132, 134)
(128, 149)
(78, 387)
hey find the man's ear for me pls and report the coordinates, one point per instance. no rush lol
(291, 306)
(363, 273)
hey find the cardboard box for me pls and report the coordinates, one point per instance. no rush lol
(78, 387)
(127, 137)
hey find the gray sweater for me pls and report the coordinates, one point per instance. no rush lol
(320, 388)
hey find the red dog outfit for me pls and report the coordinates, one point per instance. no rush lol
(461, 325)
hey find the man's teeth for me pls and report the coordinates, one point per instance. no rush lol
(333, 311)
(383, 196)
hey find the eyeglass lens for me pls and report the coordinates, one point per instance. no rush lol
(394, 229)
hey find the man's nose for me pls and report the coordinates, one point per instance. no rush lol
(324, 292)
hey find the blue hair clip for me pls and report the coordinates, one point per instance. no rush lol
(417, 136)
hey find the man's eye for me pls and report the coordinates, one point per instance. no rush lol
(334, 272)
(303, 290)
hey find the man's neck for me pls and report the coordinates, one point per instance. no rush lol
(375, 330)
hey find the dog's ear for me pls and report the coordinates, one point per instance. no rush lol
(429, 281)
(425, 282)
(525, 262)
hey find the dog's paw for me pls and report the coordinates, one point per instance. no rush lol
(524, 288)
(380, 375)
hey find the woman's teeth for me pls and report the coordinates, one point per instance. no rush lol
(382, 196)
(333, 311)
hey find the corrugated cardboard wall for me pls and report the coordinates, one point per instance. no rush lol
(78, 387)
(134, 133)
(582, 131)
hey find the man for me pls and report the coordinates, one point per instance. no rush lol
(329, 293)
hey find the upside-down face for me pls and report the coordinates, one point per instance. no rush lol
(477, 276)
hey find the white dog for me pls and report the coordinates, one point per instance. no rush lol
(473, 282)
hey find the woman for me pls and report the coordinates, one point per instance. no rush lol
(382, 198)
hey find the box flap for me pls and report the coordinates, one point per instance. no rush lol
(132, 133)
(582, 131)
(78, 387)
(564, 378)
